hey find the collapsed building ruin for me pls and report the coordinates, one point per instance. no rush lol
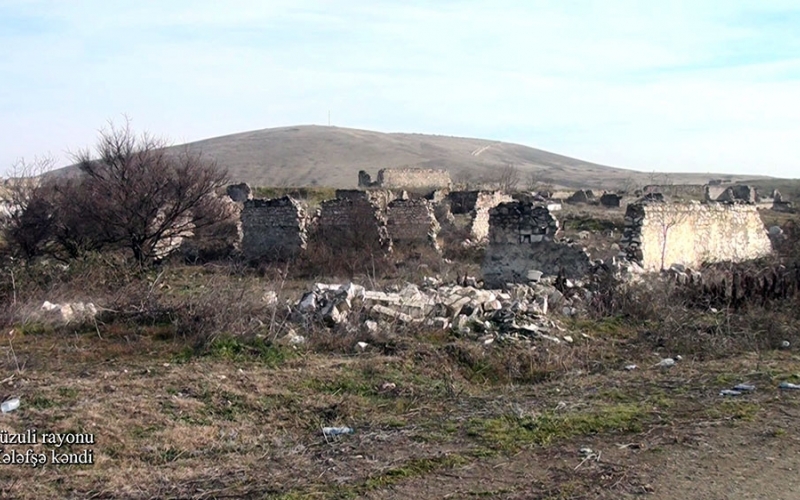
(610, 200)
(476, 204)
(352, 222)
(406, 178)
(523, 247)
(658, 235)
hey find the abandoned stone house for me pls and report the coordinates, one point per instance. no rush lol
(658, 234)
(523, 246)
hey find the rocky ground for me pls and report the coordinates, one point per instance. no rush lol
(432, 415)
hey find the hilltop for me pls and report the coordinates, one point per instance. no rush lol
(312, 155)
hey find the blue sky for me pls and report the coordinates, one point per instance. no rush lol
(653, 86)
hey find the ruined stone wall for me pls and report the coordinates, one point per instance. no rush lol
(355, 222)
(413, 178)
(736, 192)
(610, 200)
(515, 223)
(462, 202)
(412, 222)
(240, 192)
(658, 235)
(521, 245)
(484, 202)
(713, 191)
(273, 229)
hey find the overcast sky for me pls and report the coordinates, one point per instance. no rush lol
(649, 85)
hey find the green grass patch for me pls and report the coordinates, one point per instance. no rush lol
(41, 403)
(415, 467)
(509, 432)
(733, 410)
(234, 349)
(612, 326)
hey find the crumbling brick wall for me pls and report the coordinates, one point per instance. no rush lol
(659, 234)
(413, 178)
(522, 240)
(412, 222)
(273, 229)
(353, 222)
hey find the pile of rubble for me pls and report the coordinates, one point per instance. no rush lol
(523, 312)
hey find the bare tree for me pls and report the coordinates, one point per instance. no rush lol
(135, 194)
(27, 218)
(508, 178)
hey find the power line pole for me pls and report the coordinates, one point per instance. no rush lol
(329, 117)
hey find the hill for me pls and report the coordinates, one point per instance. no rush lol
(332, 156)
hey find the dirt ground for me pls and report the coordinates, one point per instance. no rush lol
(239, 423)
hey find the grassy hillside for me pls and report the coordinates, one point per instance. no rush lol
(332, 157)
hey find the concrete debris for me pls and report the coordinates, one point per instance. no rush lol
(69, 312)
(292, 339)
(520, 312)
(665, 363)
(270, 297)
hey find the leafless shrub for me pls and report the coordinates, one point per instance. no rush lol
(508, 179)
(137, 194)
